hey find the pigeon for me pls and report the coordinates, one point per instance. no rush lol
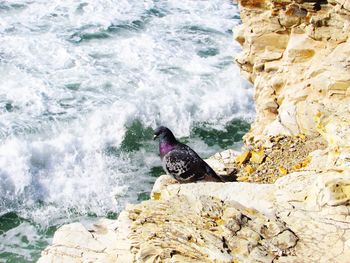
(180, 161)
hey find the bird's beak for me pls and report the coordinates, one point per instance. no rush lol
(155, 137)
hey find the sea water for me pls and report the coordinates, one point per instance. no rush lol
(83, 83)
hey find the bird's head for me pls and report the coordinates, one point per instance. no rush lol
(164, 134)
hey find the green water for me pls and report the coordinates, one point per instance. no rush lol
(138, 136)
(227, 137)
(9, 222)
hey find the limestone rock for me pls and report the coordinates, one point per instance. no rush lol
(190, 223)
(315, 206)
(223, 163)
(217, 222)
(298, 60)
(106, 242)
(160, 185)
(212, 231)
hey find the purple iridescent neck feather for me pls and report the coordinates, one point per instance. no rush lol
(164, 148)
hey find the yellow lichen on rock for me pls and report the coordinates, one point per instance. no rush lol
(249, 169)
(243, 157)
(277, 156)
(156, 195)
(258, 156)
(243, 178)
(282, 170)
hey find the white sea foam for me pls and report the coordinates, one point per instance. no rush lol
(76, 74)
(69, 100)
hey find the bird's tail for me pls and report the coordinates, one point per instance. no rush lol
(231, 177)
(215, 177)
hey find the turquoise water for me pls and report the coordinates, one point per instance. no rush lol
(84, 83)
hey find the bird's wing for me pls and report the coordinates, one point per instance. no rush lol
(182, 164)
(209, 173)
(186, 166)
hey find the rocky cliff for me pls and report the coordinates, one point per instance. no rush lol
(297, 54)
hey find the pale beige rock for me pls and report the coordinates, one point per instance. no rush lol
(192, 220)
(311, 87)
(205, 229)
(248, 196)
(224, 162)
(161, 183)
(106, 242)
(296, 69)
(76, 233)
(315, 206)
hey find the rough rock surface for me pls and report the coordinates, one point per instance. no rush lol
(297, 54)
(199, 223)
(303, 217)
(314, 206)
(299, 62)
(276, 157)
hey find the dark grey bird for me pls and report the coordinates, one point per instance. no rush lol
(180, 161)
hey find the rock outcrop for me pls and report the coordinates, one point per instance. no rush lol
(297, 54)
(298, 60)
(303, 217)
